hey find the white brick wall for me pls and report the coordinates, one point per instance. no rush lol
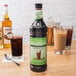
(22, 13)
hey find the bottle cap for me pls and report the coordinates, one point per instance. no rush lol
(38, 5)
(6, 5)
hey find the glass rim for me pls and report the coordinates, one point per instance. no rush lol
(68, 27)
(16, 37)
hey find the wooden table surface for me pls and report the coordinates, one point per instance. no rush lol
(58, 65)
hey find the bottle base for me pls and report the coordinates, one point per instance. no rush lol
(41, 68)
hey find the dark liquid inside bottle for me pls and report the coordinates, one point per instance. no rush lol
(38, 30)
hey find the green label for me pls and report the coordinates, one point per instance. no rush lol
(38, 41)
(38, 55)
(39, 14)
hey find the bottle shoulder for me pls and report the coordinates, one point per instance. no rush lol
(7, 22)
(38, 24)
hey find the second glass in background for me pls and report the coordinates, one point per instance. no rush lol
(69, 37)
(60, 35)
(50, 35)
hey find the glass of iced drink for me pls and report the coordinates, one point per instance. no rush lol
(50, 33)
(69, 37)
(16, 46)
(60, 35)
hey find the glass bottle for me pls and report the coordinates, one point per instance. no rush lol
(7, 28)
(38, 42)
(1, 36)
(50, 34)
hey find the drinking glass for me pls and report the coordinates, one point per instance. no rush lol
(16, 46)
(60, 35)
(69, 37)
(50, 35)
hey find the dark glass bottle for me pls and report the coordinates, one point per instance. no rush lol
(38, 42)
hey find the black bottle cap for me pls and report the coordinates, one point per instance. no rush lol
(38, 5)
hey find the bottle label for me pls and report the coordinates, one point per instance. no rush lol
(1, 38)
(7, 34)
(38, 55)
(38, 41)
(38, 14)
(38, 50)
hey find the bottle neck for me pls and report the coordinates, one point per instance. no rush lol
(6, 10)
(39, 14)
(6, 19)
(6, 16)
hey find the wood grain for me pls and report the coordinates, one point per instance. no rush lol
(58, 65)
